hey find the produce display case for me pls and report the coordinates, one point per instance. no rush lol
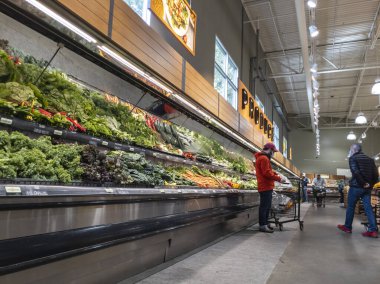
(89, 145)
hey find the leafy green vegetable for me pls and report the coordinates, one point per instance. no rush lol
(38, 159)
(8, 71)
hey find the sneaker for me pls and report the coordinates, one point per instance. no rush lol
(265, 229)
(370, 234)
(344, 229)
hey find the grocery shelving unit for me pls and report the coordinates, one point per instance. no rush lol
(92, 223)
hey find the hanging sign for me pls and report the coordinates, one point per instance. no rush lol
(179, 18)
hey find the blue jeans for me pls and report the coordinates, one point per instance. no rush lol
(354, 194)
(265, 206)
(304, 194)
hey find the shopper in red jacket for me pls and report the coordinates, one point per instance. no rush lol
(265, 180)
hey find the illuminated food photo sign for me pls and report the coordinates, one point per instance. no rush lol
(179, 18)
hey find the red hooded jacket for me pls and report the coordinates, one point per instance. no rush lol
(264, 173)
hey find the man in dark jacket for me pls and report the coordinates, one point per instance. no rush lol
(265, 183)
(364, 176)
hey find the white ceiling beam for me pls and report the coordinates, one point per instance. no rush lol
(375, 34)
(302, 29)
(326, 89)
(331, 71)
(374, 28)
(251, 3)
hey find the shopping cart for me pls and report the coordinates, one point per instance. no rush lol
(319, 196)
(286, 207)
(375, 208)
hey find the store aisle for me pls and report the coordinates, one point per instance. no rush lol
(319, 254)
(322, 254)
(246, 257)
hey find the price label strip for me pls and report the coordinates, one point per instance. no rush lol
(6, 121)
(12, 189)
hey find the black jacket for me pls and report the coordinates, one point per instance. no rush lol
(363, 170)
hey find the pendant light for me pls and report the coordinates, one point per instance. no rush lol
(376, 88)
(313, 31)
(312, 3)
(351, 136)
(314, 68)
(361, 119)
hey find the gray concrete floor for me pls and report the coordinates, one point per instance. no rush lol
(246, 257)
(319, 254)
(322, 254)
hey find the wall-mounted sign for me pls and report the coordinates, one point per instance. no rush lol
(269, 131)
(244, 98)
(179, 18)
(265, 126)
(261, 120)
(251, 108)
(257, 115)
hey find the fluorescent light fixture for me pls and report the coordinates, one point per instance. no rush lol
(376, 88)
(312, 3)
(351, 136)
(133, 67)
(121, 60)
(364, 135)
(159, 84)
(61, 20)
(361, 119)
(314, 68)
(313, 31)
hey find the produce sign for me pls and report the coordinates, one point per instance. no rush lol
(179, 18)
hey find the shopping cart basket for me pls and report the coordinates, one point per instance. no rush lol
(375, 208)
(286, 208)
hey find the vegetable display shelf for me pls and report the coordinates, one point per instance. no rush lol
(40, 129)
(54, 190)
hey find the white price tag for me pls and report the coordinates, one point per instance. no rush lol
(57, 132)
(12, 189)
(108, 190)
(132, 149)
(104, 143)
(162, 191)
(6, 121)
(179, 191)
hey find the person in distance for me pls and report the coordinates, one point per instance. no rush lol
(265, 183)
(364, 177)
